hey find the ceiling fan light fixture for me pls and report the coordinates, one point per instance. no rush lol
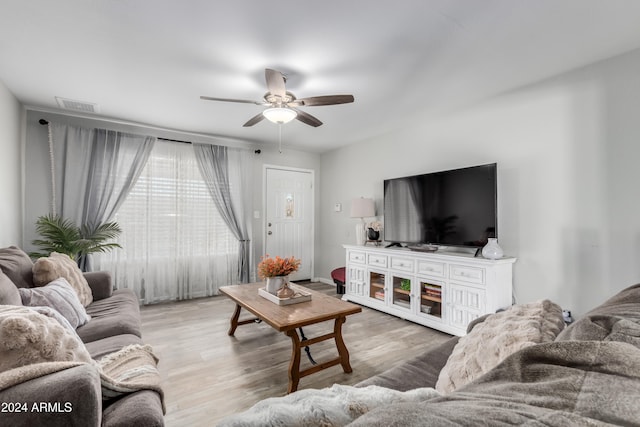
(279, 115)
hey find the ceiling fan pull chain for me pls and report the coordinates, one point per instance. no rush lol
(280, 137)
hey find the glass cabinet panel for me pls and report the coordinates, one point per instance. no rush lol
(401, 292)
(431, 298)
(376, 285)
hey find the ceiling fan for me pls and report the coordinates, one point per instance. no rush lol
(283, 105)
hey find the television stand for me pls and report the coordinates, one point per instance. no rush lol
(443, 290)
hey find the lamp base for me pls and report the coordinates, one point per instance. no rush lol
(361, 235)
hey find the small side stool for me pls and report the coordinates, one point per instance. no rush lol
(338, 276)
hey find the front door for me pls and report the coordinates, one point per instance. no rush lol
(289, 217)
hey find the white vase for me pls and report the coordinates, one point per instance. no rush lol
(492, 250)
(275, 283)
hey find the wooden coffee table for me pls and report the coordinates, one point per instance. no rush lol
(288, 318)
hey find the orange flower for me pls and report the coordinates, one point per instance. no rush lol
(271, 267)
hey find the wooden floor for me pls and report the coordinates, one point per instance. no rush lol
(208, 375)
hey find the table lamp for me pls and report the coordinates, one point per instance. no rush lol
(362, 208)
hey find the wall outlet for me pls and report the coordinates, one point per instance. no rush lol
(337, 207)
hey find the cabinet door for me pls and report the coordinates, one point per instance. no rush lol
(355, 280)
(467, 303)
(432, 301)
(401, 296)
(377, 285)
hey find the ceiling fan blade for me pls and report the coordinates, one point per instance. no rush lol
(244, 101)
(275, 82)
(307, 118)
(326, 100)
(253, 120)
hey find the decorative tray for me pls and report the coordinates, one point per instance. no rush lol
(300, 296)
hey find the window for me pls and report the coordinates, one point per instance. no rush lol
(175, 244)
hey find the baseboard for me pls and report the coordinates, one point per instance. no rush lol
(323, 280)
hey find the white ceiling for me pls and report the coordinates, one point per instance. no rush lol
(148, 61)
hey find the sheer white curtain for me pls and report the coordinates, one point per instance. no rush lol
(175, 244)
(216, 167)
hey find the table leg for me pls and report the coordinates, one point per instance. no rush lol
(294, 365)
(234, 321)
(342, 349)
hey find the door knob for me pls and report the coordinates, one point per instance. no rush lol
(270, 233)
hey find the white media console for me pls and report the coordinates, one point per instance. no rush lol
(441, 290)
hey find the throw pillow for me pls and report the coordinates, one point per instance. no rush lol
(16, 264)
(60, 296)
(28, 337)
(57, 265)
(50, 312)
(500, 335)
(8, 292)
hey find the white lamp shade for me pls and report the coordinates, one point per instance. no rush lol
(363, 208)
(279, 114)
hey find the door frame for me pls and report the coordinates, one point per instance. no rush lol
(265, 167)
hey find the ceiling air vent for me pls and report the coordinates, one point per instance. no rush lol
(71, 104)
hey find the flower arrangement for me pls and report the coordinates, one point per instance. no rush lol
(375, 226)
(272, 267)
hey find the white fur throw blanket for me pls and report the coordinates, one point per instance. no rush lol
(499, 336)
(336, 406)
(33, 345)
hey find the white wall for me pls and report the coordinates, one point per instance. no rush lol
(37, 184)
(10, 171)
(567, 151)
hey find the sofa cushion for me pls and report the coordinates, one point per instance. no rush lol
(105, 346)
(614, 320)
(60, 296)
(116, 315)
(100, 284)
(28, 337)
(500, 335)
(142, 408)
(16, 264)
(419, 371)
(48, 269)
(9, 294)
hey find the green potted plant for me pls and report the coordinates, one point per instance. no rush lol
(64, 236)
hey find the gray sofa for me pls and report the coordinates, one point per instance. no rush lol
(590, 375)
(115, 323)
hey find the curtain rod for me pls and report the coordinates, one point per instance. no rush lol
(45, 122)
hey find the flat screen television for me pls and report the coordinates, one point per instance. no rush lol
(449, 208)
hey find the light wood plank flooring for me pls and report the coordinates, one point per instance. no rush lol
(208, 374)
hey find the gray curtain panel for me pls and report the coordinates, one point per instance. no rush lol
(94, 170)
(214, 167)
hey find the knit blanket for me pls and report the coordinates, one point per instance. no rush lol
(129, 370)
(336, 406)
